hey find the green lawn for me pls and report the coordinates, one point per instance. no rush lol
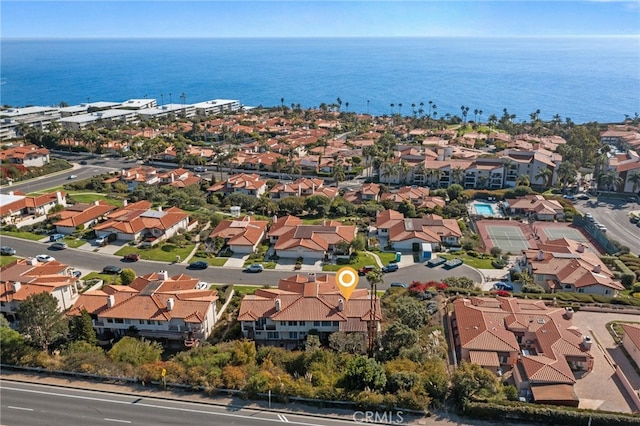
(242, 290)
(74, 242)
(363, 259)
(386, 257)
(5, 260)
(24, 235)
(107, 278)
(266, 264)
(469, 260)
(158, 253)
(212, 261)
(91, 197)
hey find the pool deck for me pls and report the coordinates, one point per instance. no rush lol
(493, 205)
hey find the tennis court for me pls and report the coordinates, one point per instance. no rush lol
(569, 233)
(508, 238)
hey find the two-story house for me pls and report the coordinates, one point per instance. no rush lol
(404, 233)
(248, 184)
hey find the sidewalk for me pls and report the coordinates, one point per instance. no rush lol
(153, 391)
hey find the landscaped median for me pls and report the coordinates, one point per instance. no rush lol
(161, 253)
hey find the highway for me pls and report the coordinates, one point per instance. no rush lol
(28, 404)
(90, 261)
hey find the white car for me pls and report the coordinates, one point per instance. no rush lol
(44, 258)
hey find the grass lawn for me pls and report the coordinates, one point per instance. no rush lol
(107, 278)
(469, 260)
(386, 257)
(266, 264)
(157, 252)
(90, 197)
(73, 242)
(24, 235)
(212, 261)
(5, 260)
(363, 259)
(318, 221)
(242, 290)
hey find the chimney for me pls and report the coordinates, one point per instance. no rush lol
(581, 248)
(15, 286)
(124, 203)
(170, 303)
(312, 277)
(159, 208)
(32, 261)
(597, 269)
(341, 305)
(586, 343)
(123, 172)
(278, 305)
(59, 198)
(163, 276)
(540, 255)
(96, 203)
(111, 301)
(568, 312)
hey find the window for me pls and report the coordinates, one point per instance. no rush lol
(119, 321)
(293, 323)
(581, 290)
(127, 321)
(316, 323)
(303, 323)
(336, 324)
(110, 320)
(273, 335)
(151, 322)
(283, 323)
(326, 323)
(293, 335)
(140, 322)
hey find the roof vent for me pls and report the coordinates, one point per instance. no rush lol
(278, 305)
(312, 277)
(111, 301)
(15, 287)
(170, 303)
(163, 276)
(597, 269)
(341, 305)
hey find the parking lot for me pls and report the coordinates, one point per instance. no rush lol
(614, 214)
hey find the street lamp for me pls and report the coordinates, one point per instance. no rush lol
(184, 108)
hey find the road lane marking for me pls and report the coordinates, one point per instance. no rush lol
(106, 419)
(189, 410)
(283, 418)
(20, 408)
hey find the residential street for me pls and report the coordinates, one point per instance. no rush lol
(90, 261)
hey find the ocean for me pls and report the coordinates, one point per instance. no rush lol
(583, 78)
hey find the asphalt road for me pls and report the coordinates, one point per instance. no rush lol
(46, 182)
(33, 404)
(614, 214)
(87, 260)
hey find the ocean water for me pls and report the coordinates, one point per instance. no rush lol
(586, 79)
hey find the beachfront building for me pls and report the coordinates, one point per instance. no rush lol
(216, 106)
(285, 316)
(35, 116)
(104, 117)
(167, 111)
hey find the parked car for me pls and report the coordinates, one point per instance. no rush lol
(55, 237)
(83, 162)
(503, 286)
(200, 264)
(436, 261)
(132, 257)
(392, 267)
(583, 197)
(450, 264)
(199, 169)
(44, 258)
(254, 268)
(396, 284)
(76, 274)
(635, 219)
(366, 269)
(7, 251)
(59, 245)
(570, 197)
(111, 269)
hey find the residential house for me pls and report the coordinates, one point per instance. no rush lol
(408, 234)
(536, 206)
(416, 195)
(26, 277)
(367, 192)
(179, 178)
(302, 187)
(135, 222)
(21, 210)
(142, 174)
(28, 156)
(249, 184)
(631, 341)
(564, 265)
(530, 163)
(292, 239)
(286, 315)
(155, 305)
(242, 236)
(82, 216)
(536, 345)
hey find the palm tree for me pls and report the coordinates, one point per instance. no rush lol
(403, 170)
(266, 205)
(457, 175)
(400, 109)
(566, 174)
(420, 170)
(546, 175)
(279, 165)
(373, 278)
(338, 173)
(482, 181)
(634, 178)
(392, 105)
(493, 120)
(611, 180)
(435, 176)
(389, 169)
(523, 180)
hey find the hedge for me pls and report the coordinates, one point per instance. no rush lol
(545, 414)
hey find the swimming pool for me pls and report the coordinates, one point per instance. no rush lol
(484, 209)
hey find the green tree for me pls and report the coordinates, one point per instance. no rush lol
(359, 243)
(411, 312)
(523, 180)
(454, 191)
(127, 276)
(354, 343)
(12, 344)
(363, 373)
(471, 380)
(135, 351)
(397, 337)
(545, 175)
(566, 174)
(81, 329)
(41, 320)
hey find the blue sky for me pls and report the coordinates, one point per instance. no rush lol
(347, 18)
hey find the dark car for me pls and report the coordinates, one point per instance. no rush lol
(402, 285)
(132, 257)
(7, 251)
(503, 286)
(76, 274)
(111, 269)
(255, 268)
(83, 162)
(59, 245)
(392, 267)
(200, 264)
(366, 269)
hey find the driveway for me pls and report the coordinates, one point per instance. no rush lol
(600, 389)
(614, 214)
(236, 261)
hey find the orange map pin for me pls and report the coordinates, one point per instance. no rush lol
(347, 280)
